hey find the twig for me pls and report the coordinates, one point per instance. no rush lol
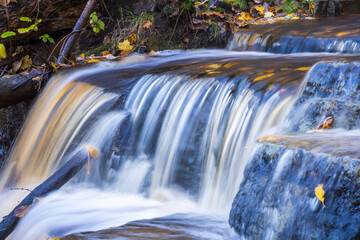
(20, 188)
(175, 27)
(107, 9)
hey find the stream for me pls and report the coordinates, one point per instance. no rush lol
(176, 132)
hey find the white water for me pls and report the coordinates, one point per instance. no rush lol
(203, 129)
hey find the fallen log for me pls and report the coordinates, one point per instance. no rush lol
(16, 89)
(54, 182)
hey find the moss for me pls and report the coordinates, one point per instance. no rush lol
(99, 49)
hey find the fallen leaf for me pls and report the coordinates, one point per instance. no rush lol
(326, 123)
(16, 65)
(26, 62)
(132, 38)
(264, 77)
(22, 210)
(147, 24)
(302, 69)
(93, 152)
(94, 60)
(342, 34)
(53, 65)
(125, 46)
(268, 14)
(36, 79)
(269, 138)
(214, 13)
(260, 9)
(319, 192)
(82, 55)
(246, 16)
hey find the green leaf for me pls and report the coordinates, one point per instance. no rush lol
(2, 51)
(96, 29)
(8, 34)
(23, 30)
(94, 17)
(46, 38)
(25, 19)
(101, 24)
(38, 21)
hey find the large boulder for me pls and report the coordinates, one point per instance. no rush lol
(276, 199)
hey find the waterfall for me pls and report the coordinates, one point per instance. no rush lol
(167, 139)
(174, 133)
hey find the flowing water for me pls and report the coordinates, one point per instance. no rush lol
(174, 132)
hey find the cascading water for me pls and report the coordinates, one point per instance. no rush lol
(174, 134)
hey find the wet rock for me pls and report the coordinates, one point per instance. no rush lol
(276, 199)
(11, 120)
(331, 89)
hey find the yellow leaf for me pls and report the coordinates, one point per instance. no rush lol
(36, 79)
(269, 14)
(54, 67)
(26, 62)
(264, 77)
(132, 38)
(93, 152)
(2, 51)
(125, 46)
(260, 9)
(302, 69)
(269, 138)
(319, 192)
(246, 16)
(147, 24)
(22, 210)
(82, 55)
(342, 34)
(94, 61)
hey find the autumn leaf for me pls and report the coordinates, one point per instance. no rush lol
(342, 34)
(264, 77)
(125, 46)
(22, 210)
(53, 65)
(147, 25)
(93, 152)
(260, 9)
(268, 14)
(26, 62)
(2, 51)
(302, 69)
(132, 38)
(319, 192)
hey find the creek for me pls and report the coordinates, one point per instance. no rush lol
(177, 135)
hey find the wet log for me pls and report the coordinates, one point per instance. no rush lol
(54, 182)
(16, 89)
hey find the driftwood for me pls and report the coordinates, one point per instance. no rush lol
(54, 182)
(80, 24)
